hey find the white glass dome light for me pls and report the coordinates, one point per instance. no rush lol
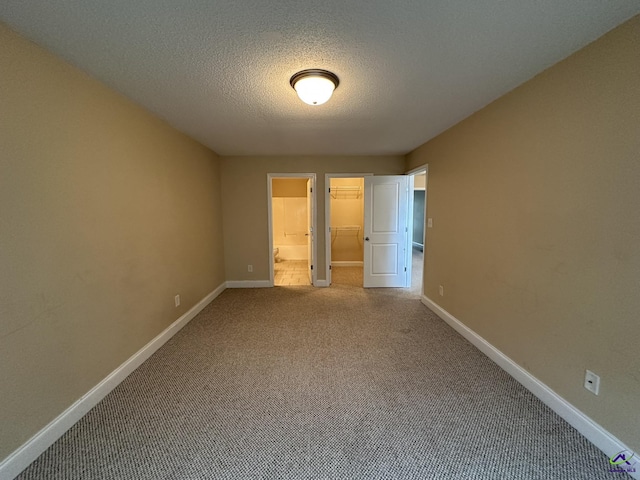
(314, 86)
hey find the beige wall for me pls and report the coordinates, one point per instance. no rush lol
(347, 214)
(290, 220)
(244, 198)
(106, 213)
(536, 230)
(420, 181)
(289, 187)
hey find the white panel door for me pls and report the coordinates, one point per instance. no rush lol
(386, 200)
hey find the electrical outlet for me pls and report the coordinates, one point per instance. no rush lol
(177, 299)
(592, 382)
(249, 268)
(429, 222)
(441, 290)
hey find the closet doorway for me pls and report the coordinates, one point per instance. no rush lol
(344, 210)
(291, 212)
(345, 213)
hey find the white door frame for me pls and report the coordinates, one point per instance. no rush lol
(416, 171)
(312, 178)
(327, 215)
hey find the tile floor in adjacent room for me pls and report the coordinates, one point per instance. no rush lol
(291, 272)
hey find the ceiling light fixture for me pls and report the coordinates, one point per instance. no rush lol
(314, 86)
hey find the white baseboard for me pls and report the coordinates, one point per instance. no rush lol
(594, 432)
(20, 459)
(321, 283)
(249, 284)
(347, 264)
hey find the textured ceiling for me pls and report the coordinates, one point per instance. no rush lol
(219, 70)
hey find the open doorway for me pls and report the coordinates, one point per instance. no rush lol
(418, 210)
(291, 229)
(345, 240)
(368, 240)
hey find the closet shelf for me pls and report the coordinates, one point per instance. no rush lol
(346, 232)
(350, 230)
(345, 191)
(346, 227)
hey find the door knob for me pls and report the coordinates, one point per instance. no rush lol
(366, 238)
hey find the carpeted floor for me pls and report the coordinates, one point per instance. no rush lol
(319, 383)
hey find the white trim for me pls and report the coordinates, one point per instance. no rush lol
(408, 247)
(314, 223)
(21, 458)
(418, 170)
(412, 173)
(321, 283)
(249, 283)
(594, 432)
(270, 227)
(347, 264)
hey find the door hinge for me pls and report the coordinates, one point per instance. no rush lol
(405, 269)
(329, 267)
(312, 267)
(329, 189)
(311, 189)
